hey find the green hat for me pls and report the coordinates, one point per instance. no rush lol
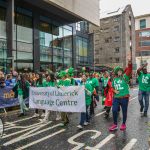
(116, 69)
(71, 71)
(62, 74)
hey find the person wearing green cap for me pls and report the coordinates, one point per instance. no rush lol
(70, 74)
(84, 120)
(120, 86)
(64, 81)
(144, 88)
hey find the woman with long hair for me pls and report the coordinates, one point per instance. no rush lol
(22, 87)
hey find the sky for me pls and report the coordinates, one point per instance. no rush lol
(139, 7)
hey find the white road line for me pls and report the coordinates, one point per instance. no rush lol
(25, 137)
(78, 144)
(133, 98)
(40, 140)
(22, 127)
(102, 143)
(99, 114)
(15, 133)
(130, 145)
(21, 120)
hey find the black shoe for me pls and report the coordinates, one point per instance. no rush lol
(141, 109)
(145, 114)
(21, 115)
(106, 115)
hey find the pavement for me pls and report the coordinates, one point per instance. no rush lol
(30, 134)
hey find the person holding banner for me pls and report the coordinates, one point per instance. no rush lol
(84, 120)
(22, 87)
(39, 82)
(64, 81)
(50, 82)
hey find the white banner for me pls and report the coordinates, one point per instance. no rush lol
(64, 99)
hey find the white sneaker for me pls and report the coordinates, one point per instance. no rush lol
(79, 126)
(58, 118)
(43, 115)
(86, 123)
(43, 120)
(35, 115)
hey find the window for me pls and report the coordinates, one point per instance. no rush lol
(116, 28)
(145, 33)
(117, 60)
(116, 19)
(144, 43)
(142, 23)
(117, 50)
(108, 40)
(116, 39)
(82, 26)
(78, 26)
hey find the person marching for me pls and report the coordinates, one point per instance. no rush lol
(144, 88)
(22, 86)
(108, 92)
(120, 86)
(50, 82)
(64, 81)
(104, 81)
(84, 120)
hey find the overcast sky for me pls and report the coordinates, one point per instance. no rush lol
(139, 6)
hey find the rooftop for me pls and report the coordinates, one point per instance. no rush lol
(113, 12)
(142, 16)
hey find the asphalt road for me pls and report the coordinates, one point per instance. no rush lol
(29, 133)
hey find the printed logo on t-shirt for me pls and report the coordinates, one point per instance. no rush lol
(145, 79)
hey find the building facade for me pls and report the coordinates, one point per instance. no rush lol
(114, 40)
(142, 26)
(36, 35)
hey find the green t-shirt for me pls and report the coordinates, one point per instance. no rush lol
(66, 82)
(49, 84)
(90, 81)
(104, 81)
(20, 91)
(95, 82)
(88, 98)
(144, 82)
(121, 85)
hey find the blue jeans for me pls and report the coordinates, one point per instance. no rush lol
(84, 116)
(144, 95)
(117, 102)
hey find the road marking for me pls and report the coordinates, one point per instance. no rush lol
(99, 114)
(133, 98)
(102, 143)
(22, 127)
(15, 133)
(22, 120)
(80, 145)
(22, 137)
(130, 145)
(40, 140)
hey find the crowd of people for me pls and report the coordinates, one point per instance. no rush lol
(114, 91)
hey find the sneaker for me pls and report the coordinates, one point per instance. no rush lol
(145, 114)
(80, 127)
(43, 115)
(123, 127)
(35, 115)
(141, 109)
(21, 115)
(113, 127)
(58, 118)
(86, 123)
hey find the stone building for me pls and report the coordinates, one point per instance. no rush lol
(142, 27)
(114, 40)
